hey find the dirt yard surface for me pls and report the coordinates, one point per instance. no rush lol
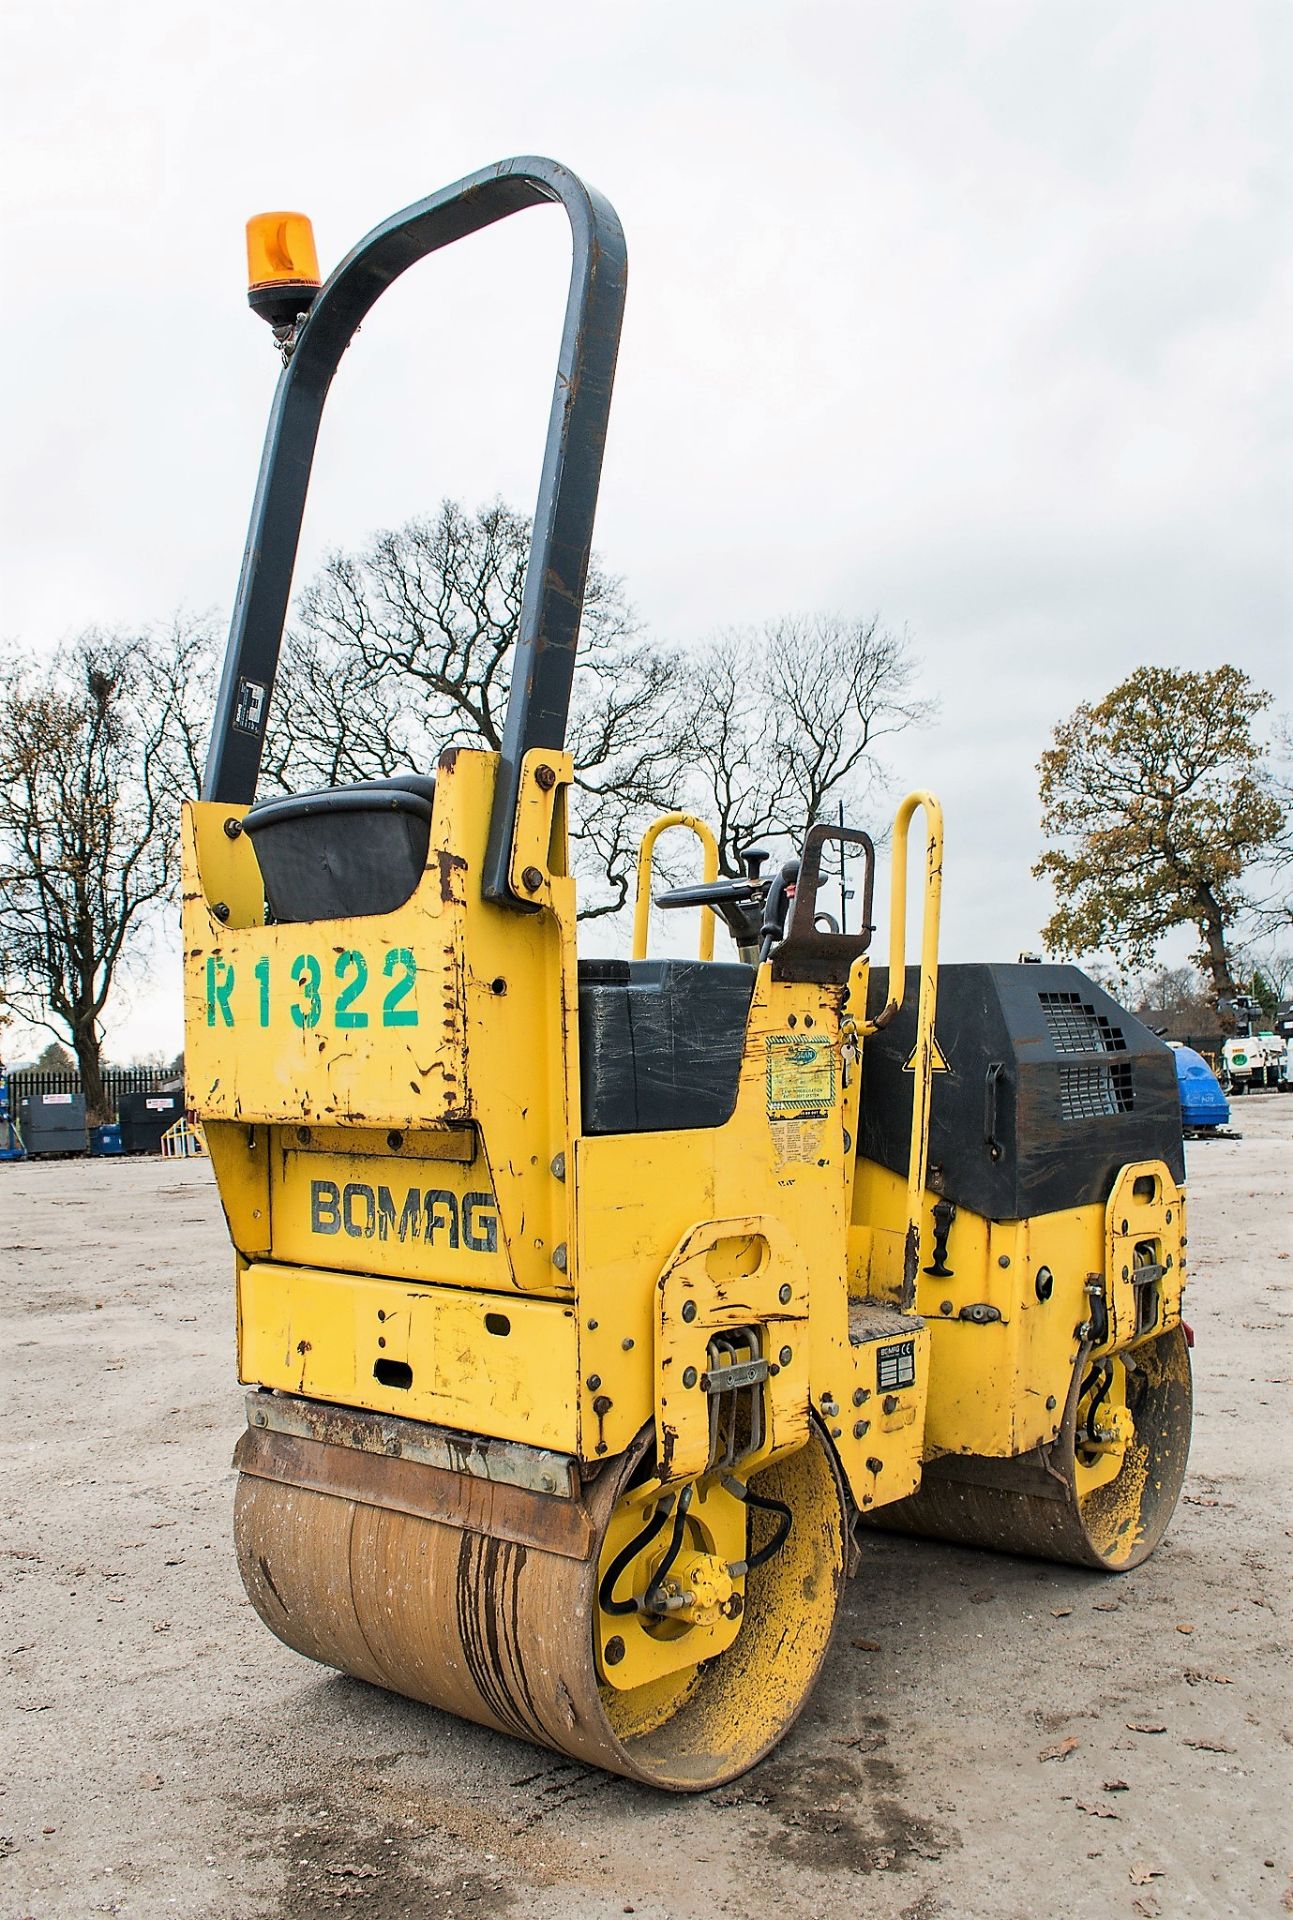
(991, 1737)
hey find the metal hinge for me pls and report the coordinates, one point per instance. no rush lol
(981, 1313)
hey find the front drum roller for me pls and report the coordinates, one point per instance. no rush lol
(508, 1632)
(1101, 1495)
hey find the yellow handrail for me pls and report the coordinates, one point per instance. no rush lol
(642, 905)
(922, 1059)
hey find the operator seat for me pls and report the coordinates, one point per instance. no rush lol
(660, 1043)
(343, 851)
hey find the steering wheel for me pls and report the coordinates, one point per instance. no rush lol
(753, 909)
(713, 893)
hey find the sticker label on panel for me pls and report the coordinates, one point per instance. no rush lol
(249, 706)
(895, 1365)
(938, 1060)
(800, 1075)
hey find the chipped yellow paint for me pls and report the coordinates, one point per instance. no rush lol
(650, 1649)
(350, 1151)
(539, 838)
(726, 1276)
(422, 1229)
(441, 1354)
(1101, 1455)
(999, 1385)
(327, 1141)
(489, 987)
(921, 1064)
(1144, 1225)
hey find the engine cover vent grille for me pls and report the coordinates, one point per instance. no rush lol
(1076, 1027)
(1088, 1093)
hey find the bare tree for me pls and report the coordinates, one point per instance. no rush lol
(97, 747)
(1175, 1000)
(403, 649)
(406, 648)
(1272, 911)
(787, 717)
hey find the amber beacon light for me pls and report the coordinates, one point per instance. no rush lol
(282, 266)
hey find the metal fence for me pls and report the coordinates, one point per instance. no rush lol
(116, 1081)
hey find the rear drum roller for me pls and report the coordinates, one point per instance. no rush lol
(1101, 1495)
(513, 1634)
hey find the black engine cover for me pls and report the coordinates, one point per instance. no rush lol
(1051, 1088)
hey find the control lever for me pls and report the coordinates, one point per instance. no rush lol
(776, 907)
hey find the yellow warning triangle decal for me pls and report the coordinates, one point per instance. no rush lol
(938, 1064)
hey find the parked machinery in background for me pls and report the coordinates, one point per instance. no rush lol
(1255, 1056)
(1204, 1108)
(145, 1117)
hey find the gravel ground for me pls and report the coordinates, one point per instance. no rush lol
(992, 1738)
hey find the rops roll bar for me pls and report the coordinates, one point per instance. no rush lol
(552, 604)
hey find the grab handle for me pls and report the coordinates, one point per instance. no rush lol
(991, 1089)
(922, 1059)
(709, 872)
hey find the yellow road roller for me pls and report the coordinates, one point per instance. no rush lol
(592, 1309)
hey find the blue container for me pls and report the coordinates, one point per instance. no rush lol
(105, 1140)
(1203, 1104)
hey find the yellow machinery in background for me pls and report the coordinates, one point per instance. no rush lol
(588, 1306)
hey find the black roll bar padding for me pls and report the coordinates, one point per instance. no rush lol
(552, 603)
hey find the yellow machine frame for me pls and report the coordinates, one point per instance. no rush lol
(544, 1286)
(568, 1430)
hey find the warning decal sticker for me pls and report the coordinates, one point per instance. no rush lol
(938, 1061)
(801, 1076)
(895, 1365)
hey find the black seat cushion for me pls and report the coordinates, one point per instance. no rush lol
(660, 1043)
(343, 851)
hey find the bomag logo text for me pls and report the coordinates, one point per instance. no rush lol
(430, 1214)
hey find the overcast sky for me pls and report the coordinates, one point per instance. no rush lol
(973, 314)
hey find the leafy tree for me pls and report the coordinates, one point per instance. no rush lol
(1273, 913)
(1158, 804)
(55, 1059)
(97, 747)
(1265, 993)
